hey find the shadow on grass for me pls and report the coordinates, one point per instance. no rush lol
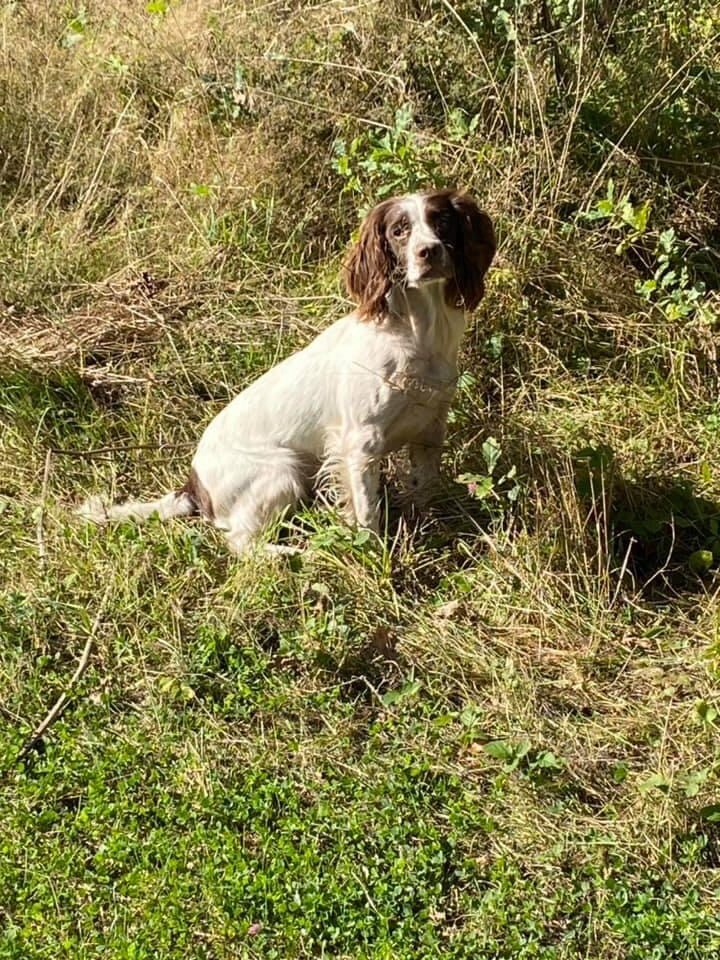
(656, 532)
(654, 526)
(367, 673)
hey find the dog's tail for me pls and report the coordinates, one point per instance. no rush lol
(190, 500)
(178, 504)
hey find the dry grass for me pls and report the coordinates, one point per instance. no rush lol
(174, 223)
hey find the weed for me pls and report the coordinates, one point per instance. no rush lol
(378, 165)
(491, 733)
(499, 491)
(671, 287)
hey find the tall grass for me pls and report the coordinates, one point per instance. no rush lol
(496, 733)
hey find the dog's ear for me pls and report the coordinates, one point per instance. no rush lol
(475, 250)
(369, 268)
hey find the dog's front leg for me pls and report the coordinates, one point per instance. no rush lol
(357, 451)
(362, 475)
(425, 455)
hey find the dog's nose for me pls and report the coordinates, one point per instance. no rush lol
(429, 251)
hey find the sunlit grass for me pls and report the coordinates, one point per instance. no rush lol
(495, 733)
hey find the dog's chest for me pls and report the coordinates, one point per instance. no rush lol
(426, 380)
(401, 378)
(414, 392)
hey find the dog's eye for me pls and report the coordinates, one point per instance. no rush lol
(443, 225)
(400, 229)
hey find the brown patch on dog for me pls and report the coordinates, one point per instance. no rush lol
(370, 266)
(468, 234)
(198, 494)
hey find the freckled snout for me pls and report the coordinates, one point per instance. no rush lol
(431, 253)
(429, 260)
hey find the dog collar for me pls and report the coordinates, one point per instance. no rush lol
(423, 389)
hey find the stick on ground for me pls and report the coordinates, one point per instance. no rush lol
(64, 699)
(41, 512)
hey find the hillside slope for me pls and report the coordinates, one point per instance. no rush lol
(496, 734)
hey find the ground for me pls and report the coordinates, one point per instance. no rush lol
(493, 734)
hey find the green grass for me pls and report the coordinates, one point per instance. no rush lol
(493, 735)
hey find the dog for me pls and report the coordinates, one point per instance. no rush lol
(377, 380)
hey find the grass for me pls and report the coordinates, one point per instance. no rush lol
(495, 734)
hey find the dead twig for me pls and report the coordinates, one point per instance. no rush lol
(40, 532)
(63, 700)
(96, 451)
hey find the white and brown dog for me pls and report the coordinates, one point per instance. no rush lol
(377, 380)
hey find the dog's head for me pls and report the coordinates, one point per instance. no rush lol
(436, 237)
